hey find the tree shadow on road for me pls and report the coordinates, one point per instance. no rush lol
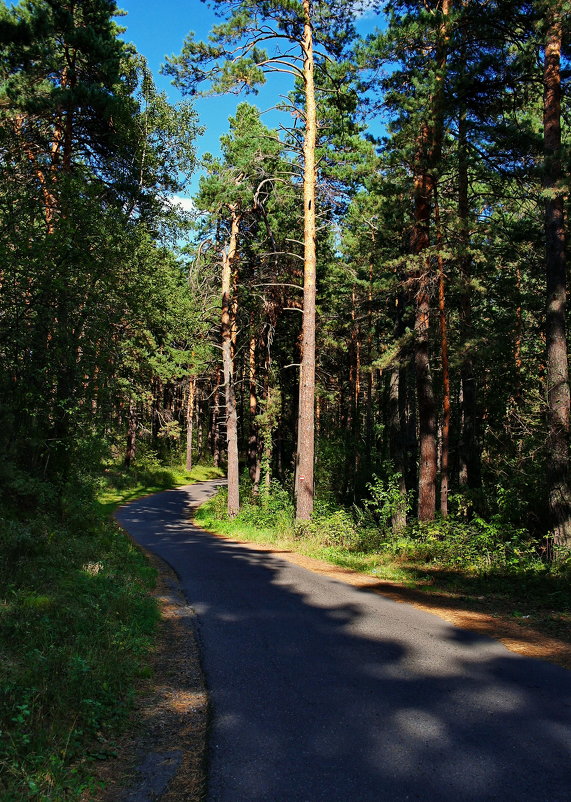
(322, 692)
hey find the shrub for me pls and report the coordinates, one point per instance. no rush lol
(477, 545)
(331, 527)
(386, 498)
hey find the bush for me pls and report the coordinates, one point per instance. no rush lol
(477, 545)
(271, 508)
(333, 527)
(386, 499)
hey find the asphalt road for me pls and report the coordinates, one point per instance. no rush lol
(321, 691)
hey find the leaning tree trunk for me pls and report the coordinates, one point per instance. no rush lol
(306, 431)
(228, 259)
(557, 365)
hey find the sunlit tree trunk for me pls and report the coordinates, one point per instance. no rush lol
(215, 422)
(189, 421)
(427, 463)
(254, 456)
(306, 433)
(228, 261)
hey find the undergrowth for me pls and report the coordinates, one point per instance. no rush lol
(76, 625)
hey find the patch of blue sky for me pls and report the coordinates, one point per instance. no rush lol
(159, 29)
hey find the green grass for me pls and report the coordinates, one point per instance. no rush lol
(122, 486)
(77, 622)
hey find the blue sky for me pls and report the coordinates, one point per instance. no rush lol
(159, 28)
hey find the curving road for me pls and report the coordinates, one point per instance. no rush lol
(321, 691)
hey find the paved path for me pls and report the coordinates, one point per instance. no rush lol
(321, 691)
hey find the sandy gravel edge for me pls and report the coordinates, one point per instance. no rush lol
(162, 756)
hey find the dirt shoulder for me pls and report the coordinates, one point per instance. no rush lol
(162, 756)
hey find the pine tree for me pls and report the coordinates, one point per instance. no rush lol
(235, 60)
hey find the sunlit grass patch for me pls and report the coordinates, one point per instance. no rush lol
(122, 486)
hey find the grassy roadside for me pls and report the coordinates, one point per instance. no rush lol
(526, 595)
(77, 623)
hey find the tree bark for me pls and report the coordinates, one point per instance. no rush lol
(554, 222)
(396, 442)
(254, 455)
(306, 432)
(427, 467)
(469, 471)
(215, 425)
(131, 436)
(428, 159)
(229, 257)
(446, 408)
(426, 410)
(189, 421)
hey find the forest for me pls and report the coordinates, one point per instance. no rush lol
(366, 334)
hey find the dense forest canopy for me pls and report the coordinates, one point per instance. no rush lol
(343, 317)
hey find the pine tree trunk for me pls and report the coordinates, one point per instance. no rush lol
(131, 436)
(469, 471)
(189, 421)
(200, 432)
(215, 424)
(428, 161)
(228, 304)
(397, 446)
(427, 463)
(254, 434)
(557, 363)
(445, 436)
(369, 412)
(427, 468)
(306, 433)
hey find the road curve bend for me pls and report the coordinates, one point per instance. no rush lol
(322, 691)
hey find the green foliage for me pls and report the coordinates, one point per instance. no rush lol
(331, 527)
(271, 509)
(476, 546)
(386, 498)
(76, 620)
